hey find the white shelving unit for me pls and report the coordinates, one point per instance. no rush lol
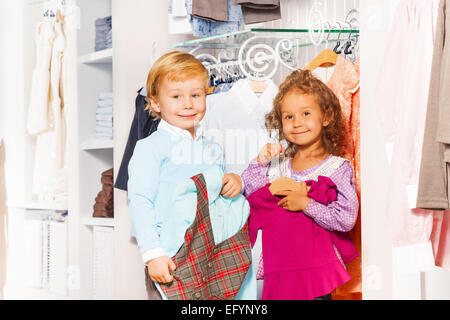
(105, 222)
(93, 144)
(27, 293)
(94, 75)
(98, 57)
(89, 73)
(36, 206)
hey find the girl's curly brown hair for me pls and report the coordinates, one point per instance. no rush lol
(335, 135)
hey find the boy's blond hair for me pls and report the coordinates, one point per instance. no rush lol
(176, 66)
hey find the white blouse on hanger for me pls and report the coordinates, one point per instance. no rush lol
(401, 100)
(235, 120)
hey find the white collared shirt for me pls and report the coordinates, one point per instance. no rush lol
(249, 100)
(179, 132)
(235, 120)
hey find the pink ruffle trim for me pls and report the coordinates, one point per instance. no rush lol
(304, 284)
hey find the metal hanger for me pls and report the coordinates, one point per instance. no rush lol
(337, 49)
(349, 45)
(329, 32)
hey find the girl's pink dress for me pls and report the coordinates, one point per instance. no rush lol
(300, 262)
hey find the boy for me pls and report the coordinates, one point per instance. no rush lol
(177, 84)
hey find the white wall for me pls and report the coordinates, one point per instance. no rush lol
(137, 24)
(15, 77)
(2, 42)
(12, 98)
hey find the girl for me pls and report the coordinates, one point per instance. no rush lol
(308, 116)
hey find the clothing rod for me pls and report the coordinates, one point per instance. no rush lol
(61, 2)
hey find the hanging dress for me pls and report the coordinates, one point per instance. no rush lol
(401, 100)
(38, 117)
(344, 82)
(50, 172)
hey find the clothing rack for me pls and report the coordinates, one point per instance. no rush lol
(220, 71)
(258, 53)
(317, 24)
(51, 7)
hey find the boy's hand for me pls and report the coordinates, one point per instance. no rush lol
(295, 200)
(232, 185)
(269, 151)
(159, 269)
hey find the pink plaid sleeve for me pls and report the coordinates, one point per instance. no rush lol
(341, 214)
(254, 177)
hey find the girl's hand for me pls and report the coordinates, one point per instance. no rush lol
(232, 185)
(159, 269)
(269, 151)
(295, 200)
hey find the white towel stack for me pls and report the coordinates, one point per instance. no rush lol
(104, 117)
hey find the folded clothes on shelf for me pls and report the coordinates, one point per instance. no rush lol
(105, 110)
(103, 21)
(104, 117)
(98, 206)
(104, 136)
(103, 197)
(103, 33)
(105, 95)
(105, 103)
(208, 28)
(109, 39)
(257, 11)
(104, 202)
(105, 124)
(100, 129)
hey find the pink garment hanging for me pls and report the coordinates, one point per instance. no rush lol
(344, 82)
(401, 101)
(440, 236)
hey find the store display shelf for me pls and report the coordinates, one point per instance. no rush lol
(30, 293)
(106, 222)
(102, 56)
(236, 39)
(94, 144)
(37, 206)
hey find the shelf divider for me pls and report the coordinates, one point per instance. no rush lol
(95, 221)
(94, 144)
(97, 57)
(37, 206)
